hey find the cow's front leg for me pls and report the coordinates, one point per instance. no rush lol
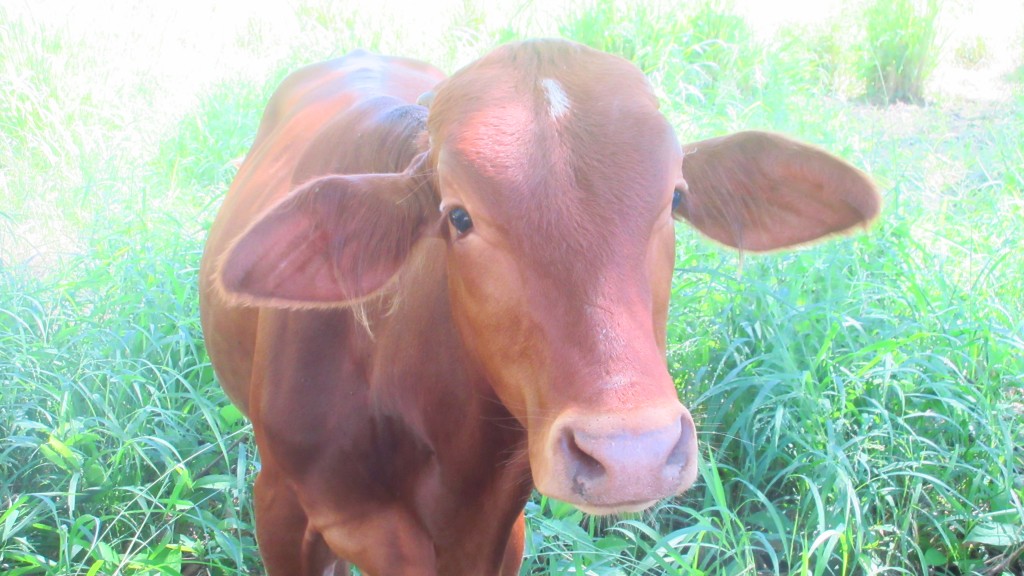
(387, 541)
(288, 544)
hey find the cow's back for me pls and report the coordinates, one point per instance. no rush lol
(352, 115)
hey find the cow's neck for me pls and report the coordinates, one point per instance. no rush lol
(437, 383)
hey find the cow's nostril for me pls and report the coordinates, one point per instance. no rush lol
(680, 453)
(586, 468)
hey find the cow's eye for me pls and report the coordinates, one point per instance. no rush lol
(677, 199)
(460, 220)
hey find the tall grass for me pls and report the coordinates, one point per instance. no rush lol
(900, 50)
(860, 403)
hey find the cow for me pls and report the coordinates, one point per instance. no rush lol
(432, 294)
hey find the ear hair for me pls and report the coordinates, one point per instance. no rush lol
(759, 191)
(334, 241)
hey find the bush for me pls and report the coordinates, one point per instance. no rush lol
(699, 55)
(899, 53)
(971, 53)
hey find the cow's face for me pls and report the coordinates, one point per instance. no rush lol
(555, 179)
(558, 193)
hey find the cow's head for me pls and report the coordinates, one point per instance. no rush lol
(556, 179)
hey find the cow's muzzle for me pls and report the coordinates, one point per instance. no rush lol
(620, 462)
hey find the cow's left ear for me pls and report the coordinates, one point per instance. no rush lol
(331, 242)
(760, 191)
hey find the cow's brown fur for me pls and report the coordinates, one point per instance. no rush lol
(529, 350)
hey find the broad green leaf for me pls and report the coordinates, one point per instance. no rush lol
(996, 534)
(230, 414)
(933, 557)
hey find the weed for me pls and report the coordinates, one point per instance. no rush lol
(899, 51)
(971, 52)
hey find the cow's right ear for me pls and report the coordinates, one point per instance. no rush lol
(760, 191)
(333, 241)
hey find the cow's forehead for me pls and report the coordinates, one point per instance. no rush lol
(556, 135)
(556, 81)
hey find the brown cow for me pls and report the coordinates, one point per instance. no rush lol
(426, 315)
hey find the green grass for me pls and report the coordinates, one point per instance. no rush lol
(900, 51)
(860, 402)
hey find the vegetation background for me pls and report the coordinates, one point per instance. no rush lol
(860, 402)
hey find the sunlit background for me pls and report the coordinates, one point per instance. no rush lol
(165, 55)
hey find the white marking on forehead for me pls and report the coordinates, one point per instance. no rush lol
(558, 100)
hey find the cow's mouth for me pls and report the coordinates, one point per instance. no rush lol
(617, 508)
